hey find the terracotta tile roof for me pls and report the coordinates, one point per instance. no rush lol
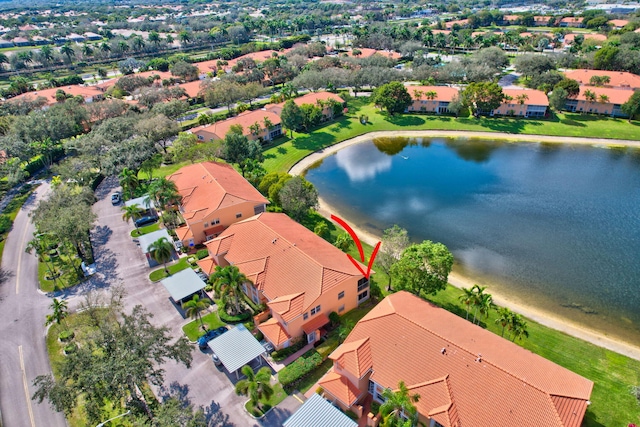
(444, 93)
(572, 20)
(184, 233)
(246, 119)
(366, 52)
(296, 261)
(436, 401)
(534, 97)
(354, 357)
(288, 306)
(618, 22)
(192, 88)
(207, 66)
(314, 97)
(541, 18)
(617, 78)
(273, 330)
(50, 94)
(208, 265)
(518, 388)
(340, 387)
(616, 96)
(316, 323)
(208, 186)
(569, 38)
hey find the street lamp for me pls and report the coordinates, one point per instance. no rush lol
(111, 419)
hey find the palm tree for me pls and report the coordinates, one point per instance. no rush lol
(68, 51)
(432, 94)
(518, 327)
(105, 48)
(154, 37)
(87, 50)
(255, 386)
(478, 295)
(128, 181)
(589, 95)
(504, 317)
(58, 314)
(3, 59)
(345, 329)
(603, 99)
(195, 306)
(132, 212)
(164, 192)
(161, 250)
(228, 282)
(46, 53)
(40, 245)
(138, 43)
(467, 298)
(185, 37)
(398, 408)
(522, 98)
(485, 304)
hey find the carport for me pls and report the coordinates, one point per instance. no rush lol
(147, 239)
(144, 203)
(315, 412)
(236, 348)
(183, 284)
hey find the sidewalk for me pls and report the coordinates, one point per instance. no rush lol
(277, 366)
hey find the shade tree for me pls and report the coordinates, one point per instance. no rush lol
(423, 268)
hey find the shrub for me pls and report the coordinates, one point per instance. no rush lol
(351, 415)
(375, 407)
(259, 335)
(70, 348)
(299, 368)
(66, 335)
(202, 253)
(286, 352)
(5, 223)
(227, 318)
(208, 288)
(334, 318)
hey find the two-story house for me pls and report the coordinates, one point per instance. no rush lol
(431, 99)
(523, 103)
(260, 125)
(214, 196)
(322, 99)
(463, 374)
(300, 276)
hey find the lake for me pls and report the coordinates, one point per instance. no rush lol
(553, 226)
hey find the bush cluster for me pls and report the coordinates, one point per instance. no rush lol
(279, 355)
(299, 368)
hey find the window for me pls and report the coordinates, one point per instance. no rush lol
(363, 284)
(239, 215)
(305, 316)
(206, 225)
(363, 296)
(315, 310)
(341, 295)
(341, 308)
(215, 221)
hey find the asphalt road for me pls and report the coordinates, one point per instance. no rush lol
(23, 353)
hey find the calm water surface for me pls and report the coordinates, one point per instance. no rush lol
(554, 226)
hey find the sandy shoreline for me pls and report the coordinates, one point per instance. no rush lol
(540, 316)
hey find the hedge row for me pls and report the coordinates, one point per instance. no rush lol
(299, 368)
(279, 355)
(227, 318)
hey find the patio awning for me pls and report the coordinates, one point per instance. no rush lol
(182, 284)
(316, 323)
(143, 202)
(147, 239)
(236, 348)
(317, 412)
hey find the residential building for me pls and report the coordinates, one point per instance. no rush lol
(247, 120)
(572, 21)
(570, 38)
(618, 24)
(463, 374)
(431, 99)
(462, 23)
(523, 103)
(541, 21)
(599, 100)
(192, 89)
(510, 19)
(314, 98)
(214, 196)
(21, 41)
(88, 93)
(365, 52)
(617, 79)
(92, 36)
(300, 276)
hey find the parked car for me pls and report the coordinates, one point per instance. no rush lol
(116, 198)
(146, 220)
(216, 359)
(221, 330)
(203, 340)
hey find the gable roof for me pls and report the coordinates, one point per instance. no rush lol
(317, 412)
(444, 93)
(208, 186)
(617, 78)
(354, 357)
(570, 38)
(615, 95)
(50, 94)
(340, 387)
(514, 382)
(290, 264)
(314, 97)
(245, 119)
(192, 89)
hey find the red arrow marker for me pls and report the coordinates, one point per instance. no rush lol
(352, 233)
(359, 245)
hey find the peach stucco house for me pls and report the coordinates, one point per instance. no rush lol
(218, 130)
(300, 276)
(600, 100)
(464, 374)
(88, 93)
(431, 99)
(617, 79)
(214, 196)
(523, 103)
(321, 98)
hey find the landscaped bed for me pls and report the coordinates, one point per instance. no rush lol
(160, 274)
(193, 330)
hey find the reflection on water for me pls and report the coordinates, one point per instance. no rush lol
(556, 226)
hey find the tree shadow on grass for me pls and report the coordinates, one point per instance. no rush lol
(401, 120)
(591, 420)
(314, 142)
(281, 150)
(215, 417)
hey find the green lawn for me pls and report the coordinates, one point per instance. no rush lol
(160, 274)
(67, 279)
(284, 153)
(145, 230)
(193, 330)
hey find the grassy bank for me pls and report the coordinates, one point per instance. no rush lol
(193, 329)
(282, 155)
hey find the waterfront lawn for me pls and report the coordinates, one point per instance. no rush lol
(160, 274)
(193, 330)
(283, 154)
(612, 373)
